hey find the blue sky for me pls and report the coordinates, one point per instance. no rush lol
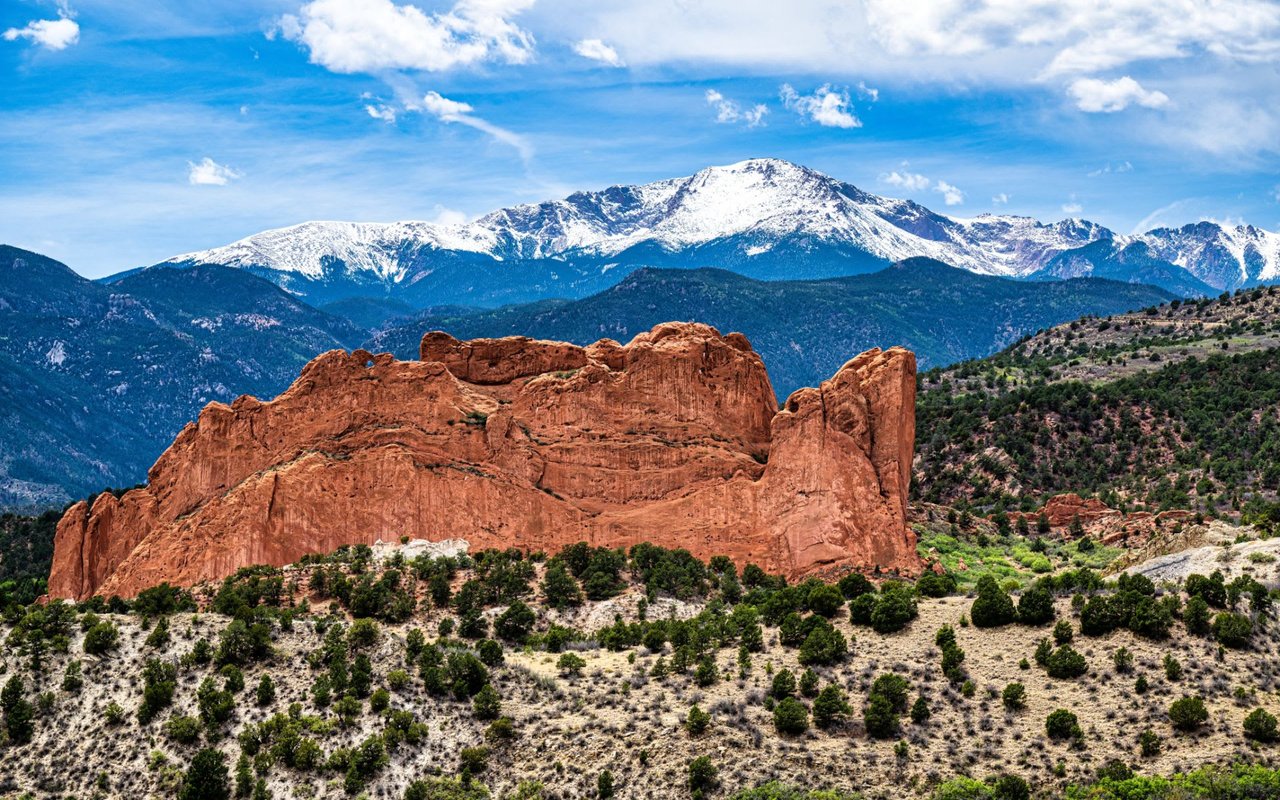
(133, 131)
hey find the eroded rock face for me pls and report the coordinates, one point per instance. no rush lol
(674, 438)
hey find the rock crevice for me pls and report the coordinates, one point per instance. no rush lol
(674, 438)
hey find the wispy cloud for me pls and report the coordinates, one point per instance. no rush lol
(1101, 96)
(210, 173)
(1072, 207)
(1001, 199)
(375, 35)
(447, 110)
(729, 111)
(596, 50)
(1109, 168)
(826, 106)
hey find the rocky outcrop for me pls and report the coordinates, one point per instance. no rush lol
(674, 438)
(1102, 522)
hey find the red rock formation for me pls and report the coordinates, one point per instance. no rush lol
(1102, 522)
(674, 439)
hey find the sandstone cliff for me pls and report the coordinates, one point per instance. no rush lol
(674, 438)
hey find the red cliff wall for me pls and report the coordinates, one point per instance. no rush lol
(674, 438)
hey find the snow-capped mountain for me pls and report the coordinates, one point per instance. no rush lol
(1223, 256)
(764, 218)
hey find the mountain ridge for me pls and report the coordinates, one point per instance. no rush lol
(765, 218)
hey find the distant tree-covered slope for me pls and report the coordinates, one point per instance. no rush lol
(1197, 433)
(806, 329)
(96, 380)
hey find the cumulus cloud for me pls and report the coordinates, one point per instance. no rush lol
(911, 181)
(826, 106)
(916, 182)
(1001, 199)
(1095, 95)
(52, 34)
(210, 173)
(597, 50)
(951, 195)
(455, 111)
(383, 112)
(375, 35)
(1072, 208)
(729, 111)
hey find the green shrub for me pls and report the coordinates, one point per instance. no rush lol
(571, 664)
(183, 729)
(784, 684)
(894, 688)
(790, 717)
(879, 717)
(1232, 630)
(1014, 697)
(1066, 663)
(486, 704)
(1062, 632)
(920, 711)
(206, 778)
(101, 638)
(993, 607)
(1035, 607)
(830, 707)
(1062, 724)
(1196, 616)
(1260, 726)
(697, 721)
(703, 776)
(932, 584)
(449, 789)
(825, 600)
(1188, 713)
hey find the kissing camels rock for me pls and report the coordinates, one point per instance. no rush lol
(674, 439)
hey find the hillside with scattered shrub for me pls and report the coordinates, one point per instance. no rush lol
(603, 673)
(1177, 406)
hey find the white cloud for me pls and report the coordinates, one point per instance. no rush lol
(455, 111)
(826, 106)
(1275, 193)
(1001, 199)
(597, 50)
(1072, 208)
(444, 108)
(1122, 167)
(383, 112)
(728, 111)
(376, 35)
(911, 181)
(449, 216)
(951, 195)
(1080, 36)
(1095, 95)
(54, 34)
(210, 173)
